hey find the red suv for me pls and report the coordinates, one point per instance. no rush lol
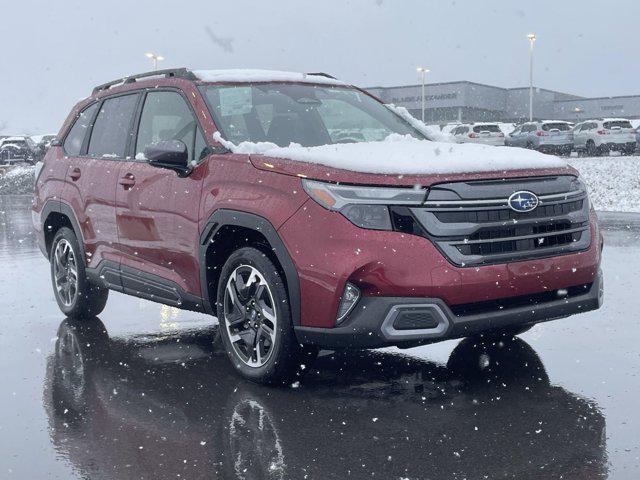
(306, 214)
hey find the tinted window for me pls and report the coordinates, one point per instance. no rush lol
(563, 127)
(617, 124)
(486, 128)
(75, 138)
(113, 127)
(166, 116)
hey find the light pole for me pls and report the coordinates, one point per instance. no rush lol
(424, 72)
(532, 40)
(155, 58)
(578, 111)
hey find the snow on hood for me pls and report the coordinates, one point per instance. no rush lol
(430, 131)
(404, 154)
(252, 75)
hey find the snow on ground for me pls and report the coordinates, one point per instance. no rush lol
(17, 180)
(613, 182)
(404, 154)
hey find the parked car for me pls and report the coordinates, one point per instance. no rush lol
(549, 136)
(18, 149)
(158, 188)
(484, 133)
(600, 136)
(43, 142)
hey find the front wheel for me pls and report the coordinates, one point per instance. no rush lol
(255, 320)
(76, 296)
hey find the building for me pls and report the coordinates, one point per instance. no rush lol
(471, 102)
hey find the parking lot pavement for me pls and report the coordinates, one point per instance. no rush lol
(140, 393)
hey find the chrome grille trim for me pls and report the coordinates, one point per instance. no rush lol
(490, 232)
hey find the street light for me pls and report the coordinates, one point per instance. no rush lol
(532, 40)
(424, 72)
(155, 58)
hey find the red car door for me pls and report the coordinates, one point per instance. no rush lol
(157, 210)
(91, 182)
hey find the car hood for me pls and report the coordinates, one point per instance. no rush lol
(337, 175)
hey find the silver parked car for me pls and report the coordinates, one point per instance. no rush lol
(483, 133)
(600, 136)
(548, 136)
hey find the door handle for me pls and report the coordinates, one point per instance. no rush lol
(75, 173)
(128, 181)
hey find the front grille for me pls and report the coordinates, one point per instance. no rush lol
(472, 230)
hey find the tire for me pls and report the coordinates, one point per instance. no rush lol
(255, 320)
(591, 149)
(76, 295)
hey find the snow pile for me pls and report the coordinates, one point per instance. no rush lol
(430, 131)
(613, 182)
(249, 76)
(17, 180)
(403, 154)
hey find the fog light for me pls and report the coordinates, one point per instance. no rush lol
(349, 299)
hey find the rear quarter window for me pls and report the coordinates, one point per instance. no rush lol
(75, 138)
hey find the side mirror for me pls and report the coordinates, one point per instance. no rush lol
(55, 143)
(171, 154)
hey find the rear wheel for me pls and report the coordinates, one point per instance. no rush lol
(75, 294)
(591, 148)
(255, 320)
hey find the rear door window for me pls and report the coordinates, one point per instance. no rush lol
(75, 139)
(112, 128)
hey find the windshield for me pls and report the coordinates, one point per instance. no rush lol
(308, 115)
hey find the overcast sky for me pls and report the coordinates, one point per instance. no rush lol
(54, 52)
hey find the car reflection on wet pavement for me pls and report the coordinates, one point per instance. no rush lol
(141, 393)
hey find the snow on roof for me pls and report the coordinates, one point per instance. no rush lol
(251, 76)
(403, 154)
(615, 119)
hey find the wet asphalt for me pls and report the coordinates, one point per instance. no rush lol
(140, 393)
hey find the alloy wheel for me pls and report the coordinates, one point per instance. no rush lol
(65, 272)
(250, 316)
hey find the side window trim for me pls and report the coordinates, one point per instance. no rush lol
(138, 116)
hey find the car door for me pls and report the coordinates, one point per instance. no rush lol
(157, 210)
(92, 176)
(578, 137)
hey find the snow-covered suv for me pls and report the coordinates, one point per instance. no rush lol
(484, 133)
(306, 214)
(549, 136)
(599, 137)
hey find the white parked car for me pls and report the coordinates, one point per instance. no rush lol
(485, 133)
(600, 136)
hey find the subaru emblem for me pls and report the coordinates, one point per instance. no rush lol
(523, 201)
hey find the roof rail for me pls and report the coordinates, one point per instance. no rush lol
(168, 73)
(322, 74)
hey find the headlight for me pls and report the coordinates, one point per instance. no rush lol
(578, 184)
(366, 207)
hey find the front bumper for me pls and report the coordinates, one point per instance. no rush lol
(372, 323)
